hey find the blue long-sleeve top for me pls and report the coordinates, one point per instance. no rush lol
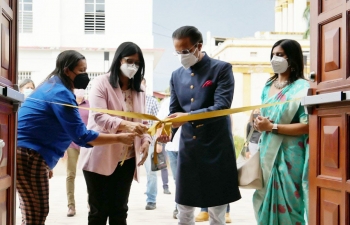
(49, 128)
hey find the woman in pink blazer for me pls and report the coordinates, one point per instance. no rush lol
(109, 170)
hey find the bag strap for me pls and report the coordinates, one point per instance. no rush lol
(248, 138)
(250, 134)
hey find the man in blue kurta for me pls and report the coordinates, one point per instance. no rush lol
(207, 172)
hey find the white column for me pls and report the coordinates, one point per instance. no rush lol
(291, 15)
(239, 90)
(285, 16)
(299, 22)
(278, 18)
(258, 81)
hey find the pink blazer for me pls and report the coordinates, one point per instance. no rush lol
(104, 159)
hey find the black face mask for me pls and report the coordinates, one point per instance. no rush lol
(81, 81)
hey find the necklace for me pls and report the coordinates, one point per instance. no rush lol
(280, 85)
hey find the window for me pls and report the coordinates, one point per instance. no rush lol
(92, 75)
(24, 75)
(253, 54)
(306, 57)
(25, 16)
(94, 16)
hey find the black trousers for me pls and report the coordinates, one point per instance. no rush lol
(109, 195)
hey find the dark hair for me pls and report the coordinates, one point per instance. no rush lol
(124, 50)
(26, 81)
(188, 31)
(66, 59)
(295, 59)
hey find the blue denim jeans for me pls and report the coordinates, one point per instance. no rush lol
(206, 209)
(151, 191)
(164, 173)
(172, 156)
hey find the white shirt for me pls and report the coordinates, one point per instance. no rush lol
(175, 144)
(163, 111)
(162, 114)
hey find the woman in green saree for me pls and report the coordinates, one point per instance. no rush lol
(283, 144)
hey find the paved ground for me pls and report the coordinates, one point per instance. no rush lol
(241, 211)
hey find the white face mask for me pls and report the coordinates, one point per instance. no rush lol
(279, 64)
(27, 92)
(128, 70)
(188, 60)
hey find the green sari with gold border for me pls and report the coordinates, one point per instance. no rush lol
(284, 161)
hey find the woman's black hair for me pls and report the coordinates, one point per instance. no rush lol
(293, 51)
(124, 50)
(66, 59)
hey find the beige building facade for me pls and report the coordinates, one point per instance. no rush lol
(250, 57)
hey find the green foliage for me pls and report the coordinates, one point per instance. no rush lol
(239, 142)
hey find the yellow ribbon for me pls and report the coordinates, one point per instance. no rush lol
(166, 123)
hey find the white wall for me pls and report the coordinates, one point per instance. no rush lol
(40, 63)
(59, 25)
(257, 84)
(130, 20)
(242, 54)
(239, 119)
(46, 25)
(238, 93)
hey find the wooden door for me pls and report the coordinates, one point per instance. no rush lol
(8, 109)
(330, 120)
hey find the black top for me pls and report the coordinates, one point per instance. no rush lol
(255, 136)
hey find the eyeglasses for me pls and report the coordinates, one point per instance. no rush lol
(132, 62)
(184, 52)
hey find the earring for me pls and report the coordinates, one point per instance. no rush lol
(292, 69)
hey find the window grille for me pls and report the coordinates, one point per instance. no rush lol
(25, 18)
(92, 76)
(94, 16)
(24, 75)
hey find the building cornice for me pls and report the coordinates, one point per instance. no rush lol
(238, 67)
(261, 45)
(249, 63)
(278, 9)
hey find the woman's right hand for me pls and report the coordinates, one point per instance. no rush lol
(133, 127)
(126, 138)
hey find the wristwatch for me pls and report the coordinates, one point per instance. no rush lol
(275, 128)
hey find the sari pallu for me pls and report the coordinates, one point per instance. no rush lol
(284, 161)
